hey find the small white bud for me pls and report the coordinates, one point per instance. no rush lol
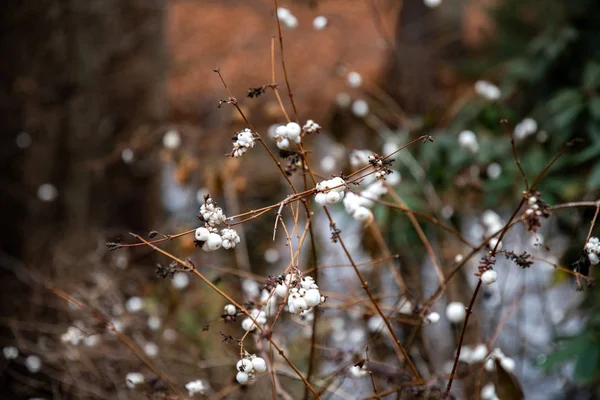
(432, 318)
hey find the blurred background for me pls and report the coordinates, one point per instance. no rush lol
(110, 124)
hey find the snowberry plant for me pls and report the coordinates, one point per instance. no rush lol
(363, 307)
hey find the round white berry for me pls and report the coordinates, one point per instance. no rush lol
(281, 131)
(242, 378)
(259, 364)
(202, 234)
(489, 277)
(360, 108)
(354, 79)
(293, 130)
(468, 140)
(213, 242)
(333, 197)
(508, 363)
(532, 200)
(432, 318)
(337, 183)
(300, 304)
(248, 325)
(244, 365)
(594, 260)
(281, 290)
(319, 23)
(312, 297)
(283, 144)
(307, 282)
(363, 214)
(488, 392)
(479, 352)
(456, 312)
(229, 309)
(171, 140)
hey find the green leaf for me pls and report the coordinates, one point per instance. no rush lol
(587, 363)
(570, 348)
(594, 107)
(591, 75)
(594, 178)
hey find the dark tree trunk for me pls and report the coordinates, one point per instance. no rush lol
(79, 77)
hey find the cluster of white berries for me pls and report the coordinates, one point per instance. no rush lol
(330, 191)
(468, 141)
(525, 128)
(230, 238)
(487, 90)
(248, 367)
(287, 19)
(311, 127)
(196, 386)
(303, 293)
(533, 207)
(506, 362)
(356, 206)
(285, 134)
(213, 215)
(73, 335)
(259, 316)
(244, 141)
(479, 353)
(592, 248)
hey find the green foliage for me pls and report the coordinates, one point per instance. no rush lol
(545, 58)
